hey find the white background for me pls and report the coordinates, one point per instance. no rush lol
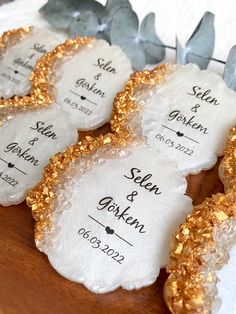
(172, 18)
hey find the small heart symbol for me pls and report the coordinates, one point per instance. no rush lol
(16, 71)
(10, 165)
(180, 134)
(82, 97)
(109, 230)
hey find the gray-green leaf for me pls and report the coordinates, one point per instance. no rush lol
(200, 46)
(111, 9)
(180, 53)
(142, 46)
(153, 47)
(124, 33)
(230, 69)
(113, 5)
(60, 13)
(87, 24)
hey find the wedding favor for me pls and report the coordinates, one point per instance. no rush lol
(83, 76)
(180, 110)
(106, 219)
(28, 140)
(73, 87)
(201, 246)
(19, 51)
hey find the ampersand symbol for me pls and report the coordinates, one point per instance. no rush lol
(32, 142)
(195, 108)
(130, 197)
(97, 77)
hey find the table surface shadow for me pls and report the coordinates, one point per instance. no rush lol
(29, 285)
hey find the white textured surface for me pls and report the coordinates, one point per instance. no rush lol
(27, 143)
(100, 71)
(21, 13)
(189, 116)
(172, 18)
(100, 193)
(18, 61)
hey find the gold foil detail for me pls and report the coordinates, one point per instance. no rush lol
(42, 196)
(7, 40)
(42, 78)
(12, 37)
(195, 250)
(125, 106)
(227, 167)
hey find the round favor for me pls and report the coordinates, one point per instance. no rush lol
(83, 76)
(28, 140)
(180, 110)
(202, 246)
(19, 51)
(107, 218)
(35, 127)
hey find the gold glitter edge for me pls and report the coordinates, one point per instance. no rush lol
(191, 286)
(124, 104)
(40, 198)
(42, 76)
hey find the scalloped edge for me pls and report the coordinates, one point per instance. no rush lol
(116, 51)
(127, 107)
(196, 252)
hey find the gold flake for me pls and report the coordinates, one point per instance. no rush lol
(42, 76)
(221, 215)
(125, 106)
(188, 264)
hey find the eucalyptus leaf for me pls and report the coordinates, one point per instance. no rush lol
(111, 9)
(60, 13)
(142, 46)
(125, 26)
(116, 22)
(180, 53)
(87, 24)
(91, 24)
(153, 47)
(200, 46)
(59, 20)
(112, 5)
(230, 69)
(124, 33)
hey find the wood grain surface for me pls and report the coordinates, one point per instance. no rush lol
(29, 285)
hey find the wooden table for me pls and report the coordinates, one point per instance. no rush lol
(29, 285)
